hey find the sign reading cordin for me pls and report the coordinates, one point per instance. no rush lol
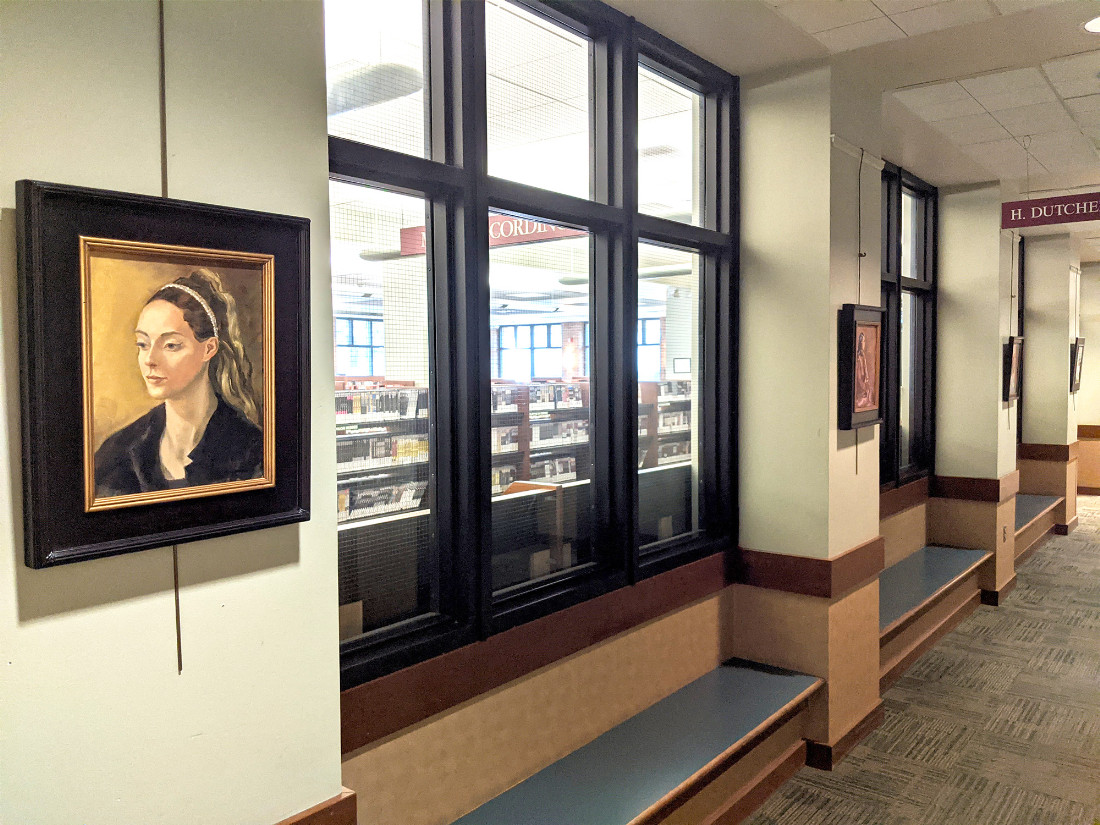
(1044, 211)
(503, 230)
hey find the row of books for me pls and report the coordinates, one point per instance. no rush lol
(555, 396)
(503, 476)
(383, 450)
(362, 500)
(562, 468)
(559, 433)
(505, 399)
(383, 404)
(673, 452)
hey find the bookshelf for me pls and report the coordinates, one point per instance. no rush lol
(664, 423)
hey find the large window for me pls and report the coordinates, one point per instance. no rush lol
(908, 345)
(533, 217)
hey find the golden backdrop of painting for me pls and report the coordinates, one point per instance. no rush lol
(164, 370)
(177, 353)
(859, 366)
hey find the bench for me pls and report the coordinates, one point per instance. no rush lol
(652, 765)
(921, 598)
(1035, 517)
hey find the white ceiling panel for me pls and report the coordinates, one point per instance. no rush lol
(1036, 119)
(972, 129)
(919, 98)
(1075, 76)
(813, 16)
(942, 16)
(864, 33)
(1004, 158)
(897, 6)
(1063, 151)
(1013, 6)
(1020, 97)
(950, 109)
(1084, 105)
(999, 82)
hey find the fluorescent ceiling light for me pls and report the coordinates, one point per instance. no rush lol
(1093, 25)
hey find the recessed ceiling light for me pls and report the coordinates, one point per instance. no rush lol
(1093, 25)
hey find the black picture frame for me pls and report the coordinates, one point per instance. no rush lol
(859, 366)
(1076, 360)
(1010, 371)
(55, 224)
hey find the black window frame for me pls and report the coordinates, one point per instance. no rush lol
(894, 285)
(460, 195)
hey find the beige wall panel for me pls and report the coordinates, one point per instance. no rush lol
(975, 433)
(1088, 463)
(1068, 508)
(1004, 555)
(904, 533)
(1088, 397)
(732, 782)
(1033, 532)
(958, 523)
(1050, 319)
(853, 655)
(1044, 478)
(896, 649)
(782, 629)
(436, 771)
(785, 447)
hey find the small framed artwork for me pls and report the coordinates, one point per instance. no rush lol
(859, 356)
(1013, 353)
(681, 366)
(1076, 359)
(164, 349)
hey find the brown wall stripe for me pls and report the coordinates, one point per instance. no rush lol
(340, 810)
(1088, 430)
(977, 489)
(825, 578)
(385, 705)
(1048, 452)
(902, 498)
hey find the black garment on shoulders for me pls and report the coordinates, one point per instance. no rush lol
(231, 449)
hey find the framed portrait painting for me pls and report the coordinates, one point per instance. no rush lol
(164, 355)
(1010, 371)
(859, 366)
(1076, 360)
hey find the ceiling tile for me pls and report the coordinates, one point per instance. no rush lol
(950, 109)
(1013, 6)
(1075, 76)
(1020, 97)
(919, 98)
(972, 129)
(1063, 151)
(1084, 105)
(942, 16)
(1035, 119)
(813, 16)
(864, 33)
(990, 84)
(890, 7)
(1004, 158)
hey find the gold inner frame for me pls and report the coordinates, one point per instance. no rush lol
(197, 256)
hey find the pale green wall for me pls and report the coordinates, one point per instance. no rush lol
(96, 726)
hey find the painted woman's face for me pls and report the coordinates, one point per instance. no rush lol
(170, 358)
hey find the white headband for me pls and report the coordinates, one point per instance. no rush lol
(199, 298)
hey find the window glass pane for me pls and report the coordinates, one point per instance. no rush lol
(541, 336)
(360, 332)
(653, 331)
(908, 374)
(388, 568)
(910, 206)
(541, 461)
(374, 57)
(669, 142)
(342, 330)
(555, 335)
(507, 337)
(539, 95)
(668, 395)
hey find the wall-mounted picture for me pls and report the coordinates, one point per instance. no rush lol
(164, 349)
(1076, 359)
(859, 359)
(1013, 354)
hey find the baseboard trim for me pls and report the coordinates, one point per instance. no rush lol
(1088, 491)
(1048, 452)
(993, 598)
(949, 623)
(770, 780)
(1066, 529)
(340, 810)
(826, 757)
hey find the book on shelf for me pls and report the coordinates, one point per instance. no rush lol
(679, 390)
(383, 403)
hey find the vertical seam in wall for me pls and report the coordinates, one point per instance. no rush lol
(163, 106)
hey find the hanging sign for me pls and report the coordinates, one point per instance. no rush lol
(503, 230)
(1044, 211)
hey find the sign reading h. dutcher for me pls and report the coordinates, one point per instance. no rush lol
(1044, 211)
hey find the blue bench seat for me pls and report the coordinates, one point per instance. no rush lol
(622, 774)
(1029, 508)
(916, 579)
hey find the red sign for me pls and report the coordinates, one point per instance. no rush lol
(1044, 211)
(503, 230)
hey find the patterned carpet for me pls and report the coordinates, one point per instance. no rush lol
(998, 724)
